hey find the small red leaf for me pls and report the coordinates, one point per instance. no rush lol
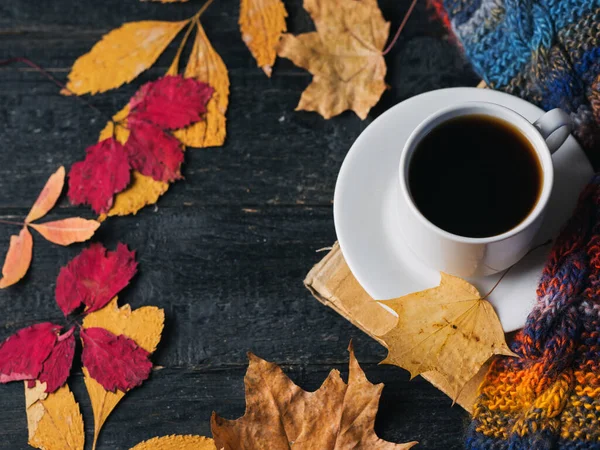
(57, 367)
(153, 152)
(94, 277)
(116, 362)
(104, 172)
(171, 102)
(23, 354)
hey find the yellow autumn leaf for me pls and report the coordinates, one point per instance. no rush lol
(144, 325)
(121, 56)
(262, 22)
(53, 420)
(206, 65)
(449, 329)
(143, 190)
(175, 442)
(344, 56)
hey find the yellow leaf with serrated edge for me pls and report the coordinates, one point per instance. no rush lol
(262, 22)
(143, 190)
(53, 420)
(144, 325)
(121, 56)
(206, 65)
(449, 329)
(344, 56)
(175, 442)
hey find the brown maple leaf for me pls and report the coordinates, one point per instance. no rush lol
(449, 329)
(344, 55)
(280, 415)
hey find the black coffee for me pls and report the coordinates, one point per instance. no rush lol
(475, 176)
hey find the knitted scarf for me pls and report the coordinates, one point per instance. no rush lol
(547, 52)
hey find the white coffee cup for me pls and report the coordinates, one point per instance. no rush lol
(474, 257)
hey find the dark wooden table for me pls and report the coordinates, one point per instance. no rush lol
(226, 250)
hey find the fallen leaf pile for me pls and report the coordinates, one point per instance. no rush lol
(280, 415)
(61, 232)
(116, 342)
(344, 55)
(449, 329)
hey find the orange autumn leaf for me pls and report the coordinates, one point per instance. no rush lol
(121, 56)
(174, 442)
(344, 56)
(48, 197)
(67, 231)
(205, 64)
(336, 416)
(53, 420)
(262, 22)
(17, 259)
(448, 329)
(144, 325)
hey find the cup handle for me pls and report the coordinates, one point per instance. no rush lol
(555, 127)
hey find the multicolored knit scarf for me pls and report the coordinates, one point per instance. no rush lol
(547, 52)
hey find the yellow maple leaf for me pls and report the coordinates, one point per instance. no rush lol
(144, 325)
(121, 56)
(344, 55)
(53, 420)
(143, 190)
(279, 413)
(449, 329)
(175, 442)
(262, 22)
(206, 65)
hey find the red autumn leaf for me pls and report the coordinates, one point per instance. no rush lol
(171, 102)
(94, 277)
(153, 152)
(116, 362)
(104, 172)
(57, 367)
(23, 354)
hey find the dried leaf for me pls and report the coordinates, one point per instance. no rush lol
(22, 355)
(153, 152)
(344, 55)
(143, 325)
(18, 258)
(67, 231)
(449, 329)
(104, 172)
(279, 414)
(142, 190)
(57, 366)
(262, 23)
(170, 102)
(121, 56)
(54, 420)
(205, 64)
(174, 442)
(94, 277)
(48, 197)
(116, 362)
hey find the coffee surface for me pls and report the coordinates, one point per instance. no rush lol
(475, 176)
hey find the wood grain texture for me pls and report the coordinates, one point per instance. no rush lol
(225, 251)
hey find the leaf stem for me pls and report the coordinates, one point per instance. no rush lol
(507, 270)
(175, 64)
(201, 11)
(400, 28)
(52, 78)
(10, 222)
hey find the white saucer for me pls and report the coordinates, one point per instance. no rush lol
(366, 214)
